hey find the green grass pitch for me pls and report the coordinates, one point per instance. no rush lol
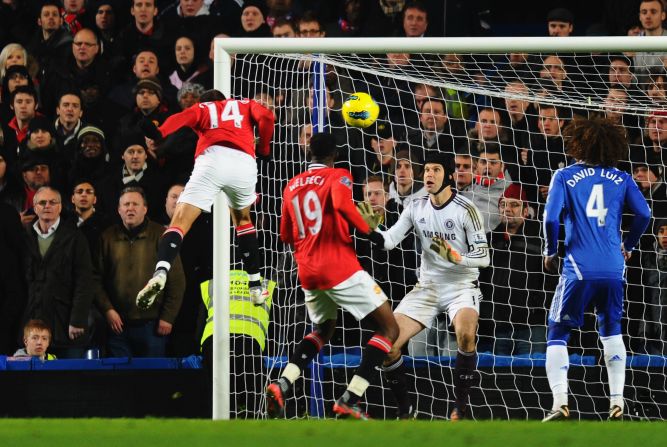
(315, 433)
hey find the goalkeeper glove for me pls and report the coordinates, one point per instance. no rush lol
(445, 250)
(370, 216)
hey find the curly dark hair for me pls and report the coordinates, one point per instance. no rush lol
(596, 141)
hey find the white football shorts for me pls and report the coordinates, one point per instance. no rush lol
(426, 300)
(221, 168)
(359, 295)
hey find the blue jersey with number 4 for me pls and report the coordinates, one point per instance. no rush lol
(591, 200)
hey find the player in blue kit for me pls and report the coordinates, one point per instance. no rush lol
(590, 195)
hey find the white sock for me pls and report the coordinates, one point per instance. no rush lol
(557, 365)
(614, 358)
(291, 372)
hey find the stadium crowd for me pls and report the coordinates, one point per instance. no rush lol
(83, 198)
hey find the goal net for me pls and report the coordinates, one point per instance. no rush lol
(499, 116)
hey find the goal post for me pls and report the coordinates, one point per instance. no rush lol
(509, 385)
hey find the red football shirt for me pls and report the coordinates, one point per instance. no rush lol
(227, 123)
(316, 216)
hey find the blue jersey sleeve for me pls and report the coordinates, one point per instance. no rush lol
(552, 213)
(637, 204)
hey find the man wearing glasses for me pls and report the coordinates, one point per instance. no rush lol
(58, 273)
(84, 66)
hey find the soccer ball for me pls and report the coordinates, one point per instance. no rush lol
(360, 110)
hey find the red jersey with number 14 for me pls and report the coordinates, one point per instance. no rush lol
(316, 216)
(227, 123)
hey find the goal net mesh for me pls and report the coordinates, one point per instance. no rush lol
(500, 118)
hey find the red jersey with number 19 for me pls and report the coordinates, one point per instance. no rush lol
(227, 123)
(316, 216)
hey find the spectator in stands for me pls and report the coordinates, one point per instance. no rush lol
(136, 171)
(654, 280)
(489, 183)
(24, 105)
(41, 141)
(148, 104)
(35, 173)
(305, 132)
(546, 153)
(384, 146)
(189, 94)
(407, 183)
(126, 261)
(620, 71)
(415, 19)
(651, 16)
(310, 26)
(145, 65)
(489, 128)
(253, 20)
(560, 22)
(190, 67)
(435, 132)
(283, 27)
(615, 105)
(656, 89)
(513, 283)
(554, 68)
(656, 145)
(36, 340)
(12, 54)
(89, 220)
(464, 169)
(145, 31)
(74, 16)
(16, 76)
(40, 138)
(50, 42)
(12, 284)
(650, 179)
(90, 161)
(69, 112)
(81, 68)
(521, 114)
(422, 92)
(59, 276)
(106, 27)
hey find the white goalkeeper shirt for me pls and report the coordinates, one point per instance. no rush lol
(458, 221)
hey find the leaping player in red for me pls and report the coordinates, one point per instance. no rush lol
(317, 213)
(224, 160)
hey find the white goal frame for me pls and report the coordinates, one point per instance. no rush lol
(225, 47)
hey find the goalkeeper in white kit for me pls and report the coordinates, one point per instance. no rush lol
(454, 243)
